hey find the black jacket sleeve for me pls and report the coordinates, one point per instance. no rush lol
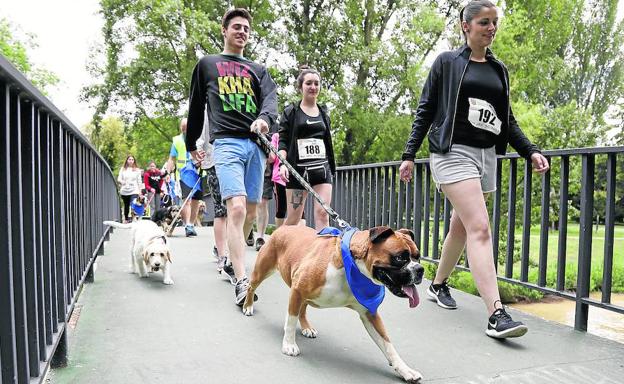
(197, 103)
(268, 112)
(425, 112)
(284, 131)
(518, 140)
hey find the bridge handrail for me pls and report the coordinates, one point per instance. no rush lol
(372, 194)
(56, 191)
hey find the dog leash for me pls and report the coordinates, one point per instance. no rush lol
(175, 218)
(332, 214)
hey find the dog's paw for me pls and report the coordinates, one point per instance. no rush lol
(408, 374)
(290, 349)
(248, 311)
(310, 333)
(168, 281)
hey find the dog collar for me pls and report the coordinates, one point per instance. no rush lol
(367, 293)
(163, 238)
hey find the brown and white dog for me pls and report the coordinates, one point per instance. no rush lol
(149, 251)
(201, 211)
(313, 268)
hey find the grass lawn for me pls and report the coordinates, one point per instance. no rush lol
(572, 249)
(598, 243)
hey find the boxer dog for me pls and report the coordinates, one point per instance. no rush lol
(312, 266)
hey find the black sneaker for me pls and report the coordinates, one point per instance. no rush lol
(250, 239)
(259, 243)
(228, 272)
(502, 326)
(240, 291)
(442, 294)
(215, 253)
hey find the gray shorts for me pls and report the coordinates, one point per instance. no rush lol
(463, 163)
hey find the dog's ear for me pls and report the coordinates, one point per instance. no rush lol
(145, 257)
(378, 234)
(168, 256)
(408, 232)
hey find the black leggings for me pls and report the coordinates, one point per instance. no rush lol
(127, 199)
(280, 201)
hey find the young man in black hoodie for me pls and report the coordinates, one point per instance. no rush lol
(241, 102)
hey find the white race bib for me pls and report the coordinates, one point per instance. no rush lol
(311, 149)
(482, 115)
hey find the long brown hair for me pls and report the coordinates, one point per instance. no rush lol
(135, 166)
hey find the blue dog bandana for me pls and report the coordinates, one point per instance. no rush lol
(367, 293)
(139, 209)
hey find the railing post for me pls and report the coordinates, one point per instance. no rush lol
(563, 222)
(511, 218)
(609, 228)
(543, 250)
(526, 222)
(585, 241)
(8, 353)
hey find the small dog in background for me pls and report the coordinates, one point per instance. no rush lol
(163, 217)
(200, 213)
(137, 207)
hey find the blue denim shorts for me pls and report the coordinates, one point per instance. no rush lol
(240, 168)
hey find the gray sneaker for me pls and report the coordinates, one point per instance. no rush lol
(228, 272)
(502, 326)
(442, 294)
(240, 291)
(221, 262)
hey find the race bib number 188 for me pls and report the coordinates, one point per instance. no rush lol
(311, 149)
(482, 115)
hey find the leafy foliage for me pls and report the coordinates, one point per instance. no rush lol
(15, 49)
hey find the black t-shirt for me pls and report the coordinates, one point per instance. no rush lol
(480, 106)
(235, 92)
(309, 128)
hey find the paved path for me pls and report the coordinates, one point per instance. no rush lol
(133, 330)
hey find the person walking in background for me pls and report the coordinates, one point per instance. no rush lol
(465, 107)
(210, 186)
(178, 157)
(129, 182)
(153, 179)
(305, 141)
(241, 100)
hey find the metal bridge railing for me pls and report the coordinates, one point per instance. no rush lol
(372, 194)
(56, 191)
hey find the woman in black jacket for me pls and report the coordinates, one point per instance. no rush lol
(305, 141)
(465, 108)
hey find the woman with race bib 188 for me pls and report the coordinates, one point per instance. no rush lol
(305, 141)
(465, 108)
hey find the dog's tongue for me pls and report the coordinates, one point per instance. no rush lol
(412, 294)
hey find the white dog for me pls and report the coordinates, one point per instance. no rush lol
(149, 252)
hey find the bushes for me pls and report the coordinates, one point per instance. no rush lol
(511, 293)
(463, 281)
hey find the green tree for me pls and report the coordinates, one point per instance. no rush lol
(151, 48)
(15, 49)
(565, 59)
(371, 56)
(111, 141)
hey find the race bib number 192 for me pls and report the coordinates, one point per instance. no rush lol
(482, 115)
